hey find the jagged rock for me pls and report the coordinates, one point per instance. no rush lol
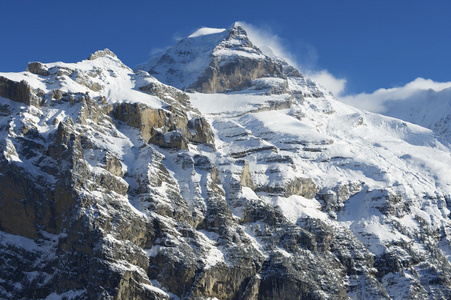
(114, 165)
(86, 81)
(57, 94)
(165, 92)
(129, 289)
(335, 199)
(231, 64)
(163, 128)
(200, 131)
(18, 91)
(304, 187)
(246, 180)
(101, 53)
(38, 69)
(234, 75)
(273, 86)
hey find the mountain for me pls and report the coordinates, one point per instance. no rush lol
(421, 102)
(216, 172)
(428, 108)
(213, 60)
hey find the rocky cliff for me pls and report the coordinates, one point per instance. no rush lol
(117, 186)
(225, 60)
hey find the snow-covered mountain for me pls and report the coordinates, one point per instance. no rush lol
(215, 172)
(428, 108)
(422, 101)
(213, 60)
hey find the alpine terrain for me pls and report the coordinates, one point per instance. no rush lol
(214, 171)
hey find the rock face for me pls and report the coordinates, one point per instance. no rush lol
(223, 61)
(275, 192)
(18, 91)
(235, 63)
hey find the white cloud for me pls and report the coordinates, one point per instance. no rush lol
(273, 45)
(158, 51)
(379, 100)
(268, 42)
(336, 85)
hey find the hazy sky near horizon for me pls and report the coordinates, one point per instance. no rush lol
(370, 44)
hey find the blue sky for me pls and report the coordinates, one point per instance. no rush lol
(371, 44)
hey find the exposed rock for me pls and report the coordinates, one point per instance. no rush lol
(164, 128)
(335, 199)
(114, 165)
(101, 53)
(129, 289)
(38, 69)
(166, 93)
(200, 131)
(57, 94)
(246, 180)
(18, 91)
(304, 187)
(230, 65)
(272, 86)
(87, 81)
(234, 75)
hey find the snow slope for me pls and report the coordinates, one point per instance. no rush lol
(421, 101)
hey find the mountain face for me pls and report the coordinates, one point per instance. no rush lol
(215, 172)
(428, 108)
(212, 60)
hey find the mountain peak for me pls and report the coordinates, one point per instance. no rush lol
(238, 27)
(102, 53)
(214, 60)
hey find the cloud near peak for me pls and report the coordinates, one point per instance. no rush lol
(274, 46)
(378, 100)
(336, 85)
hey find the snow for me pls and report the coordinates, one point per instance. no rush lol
(213, 254)
(248, 193)
(228, 55)
(298, 207)
(256, 243)
(19, 242)
(186, 68)
(232, 103)
(206, 31)
(348, 144)
(119, 83)
(182, 65)
(156, 290)
(67, 295)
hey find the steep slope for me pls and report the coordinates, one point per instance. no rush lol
(421, 102)
(117, 186)
(428, 108)
(213, 60)
(82, 189)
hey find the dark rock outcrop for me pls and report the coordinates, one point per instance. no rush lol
(19, 91)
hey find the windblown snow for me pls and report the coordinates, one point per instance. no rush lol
(206, 31)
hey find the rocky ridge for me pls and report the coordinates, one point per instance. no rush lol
(217, 62)
(117, 186)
